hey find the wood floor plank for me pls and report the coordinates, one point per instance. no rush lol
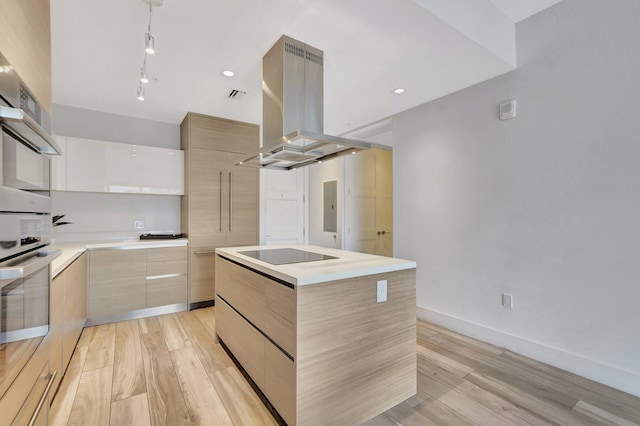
(543, 408)
(497, 367)
(503, 411)
(595, 393)
(469, 341)
(208, 318)
(240, 401)
(403, 414)
(92, 404)
(133, 411)
(203, 402)
(381, 420)
(101, 347)
(85, 337)
(444, 362)
(211, 354)
(128, 368)
(601, 416)
(63, 401)
(149, 325)
(174, 334)
(440, 414)
(166, 402)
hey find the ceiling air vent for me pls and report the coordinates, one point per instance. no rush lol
(235, 94)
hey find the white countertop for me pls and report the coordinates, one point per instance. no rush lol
(71, 251)
(348, 265)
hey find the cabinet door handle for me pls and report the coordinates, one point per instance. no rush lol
(206, 252)
(230, 202)
(220, 203)
(43, 399)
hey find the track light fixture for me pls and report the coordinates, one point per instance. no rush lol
(140, 93)
(149, 49)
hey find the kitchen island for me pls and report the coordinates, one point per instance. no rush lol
(328, 339)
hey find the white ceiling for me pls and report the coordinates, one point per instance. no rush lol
(429, 47)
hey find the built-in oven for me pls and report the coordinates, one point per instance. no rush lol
(24, 310)
(25, 226)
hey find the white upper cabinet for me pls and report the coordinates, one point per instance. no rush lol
(99, 166)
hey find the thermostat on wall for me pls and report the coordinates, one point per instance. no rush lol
(508, 109)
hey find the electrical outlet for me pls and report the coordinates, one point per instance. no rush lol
(138, 224)
(507, 300)
(381, 291)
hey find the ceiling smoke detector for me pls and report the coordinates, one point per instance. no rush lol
(236, 94)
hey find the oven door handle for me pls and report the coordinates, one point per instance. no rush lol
(10, 116)
(31, 265)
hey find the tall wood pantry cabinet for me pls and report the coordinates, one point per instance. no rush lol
(219, 207)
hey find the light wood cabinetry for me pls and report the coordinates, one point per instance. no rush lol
(220, 204)
(68, 314)
(166, 276)
(323, 353)
(117, 281)
(25, 40)
(122, 281)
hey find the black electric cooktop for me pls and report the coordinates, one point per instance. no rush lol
(285, 256)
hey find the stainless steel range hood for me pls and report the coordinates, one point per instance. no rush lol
(292, 110)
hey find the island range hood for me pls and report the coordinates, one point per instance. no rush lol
(292, 111)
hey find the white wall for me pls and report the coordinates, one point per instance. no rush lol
(545, 207)
(110, 216)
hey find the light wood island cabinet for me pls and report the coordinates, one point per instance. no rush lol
(220, 204)
(314, 338)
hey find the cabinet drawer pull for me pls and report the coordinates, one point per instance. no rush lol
(206, 252)
(51, 377)
(220, 203)
(159, 277)
(230, 202)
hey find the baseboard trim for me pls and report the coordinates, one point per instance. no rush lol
(625, 381)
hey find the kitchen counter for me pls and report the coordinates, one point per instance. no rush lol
(71, 251)
(348, 265)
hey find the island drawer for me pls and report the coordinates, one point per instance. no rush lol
(243, 340)
(242, 289)
(280, 382)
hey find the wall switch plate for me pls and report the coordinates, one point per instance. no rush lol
(381, 291)
(138, 224)
(507, 300)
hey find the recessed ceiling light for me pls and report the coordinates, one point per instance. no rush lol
(398, 91)
(228, 73)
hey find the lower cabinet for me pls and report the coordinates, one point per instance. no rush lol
(68, 314)
(121, 281)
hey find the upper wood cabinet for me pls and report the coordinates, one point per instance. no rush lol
(25, 40)
(89, 165)
(221, 134)
(220, 204)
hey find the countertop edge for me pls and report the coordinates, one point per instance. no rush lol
(71, 251)
(390, 265)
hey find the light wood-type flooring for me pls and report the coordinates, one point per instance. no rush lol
(168, 370)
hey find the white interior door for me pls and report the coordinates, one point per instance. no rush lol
(369, 202)
(282, 206)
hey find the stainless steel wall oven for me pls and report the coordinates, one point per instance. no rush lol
(25, 224)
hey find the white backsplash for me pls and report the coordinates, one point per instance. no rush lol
(98, 217)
